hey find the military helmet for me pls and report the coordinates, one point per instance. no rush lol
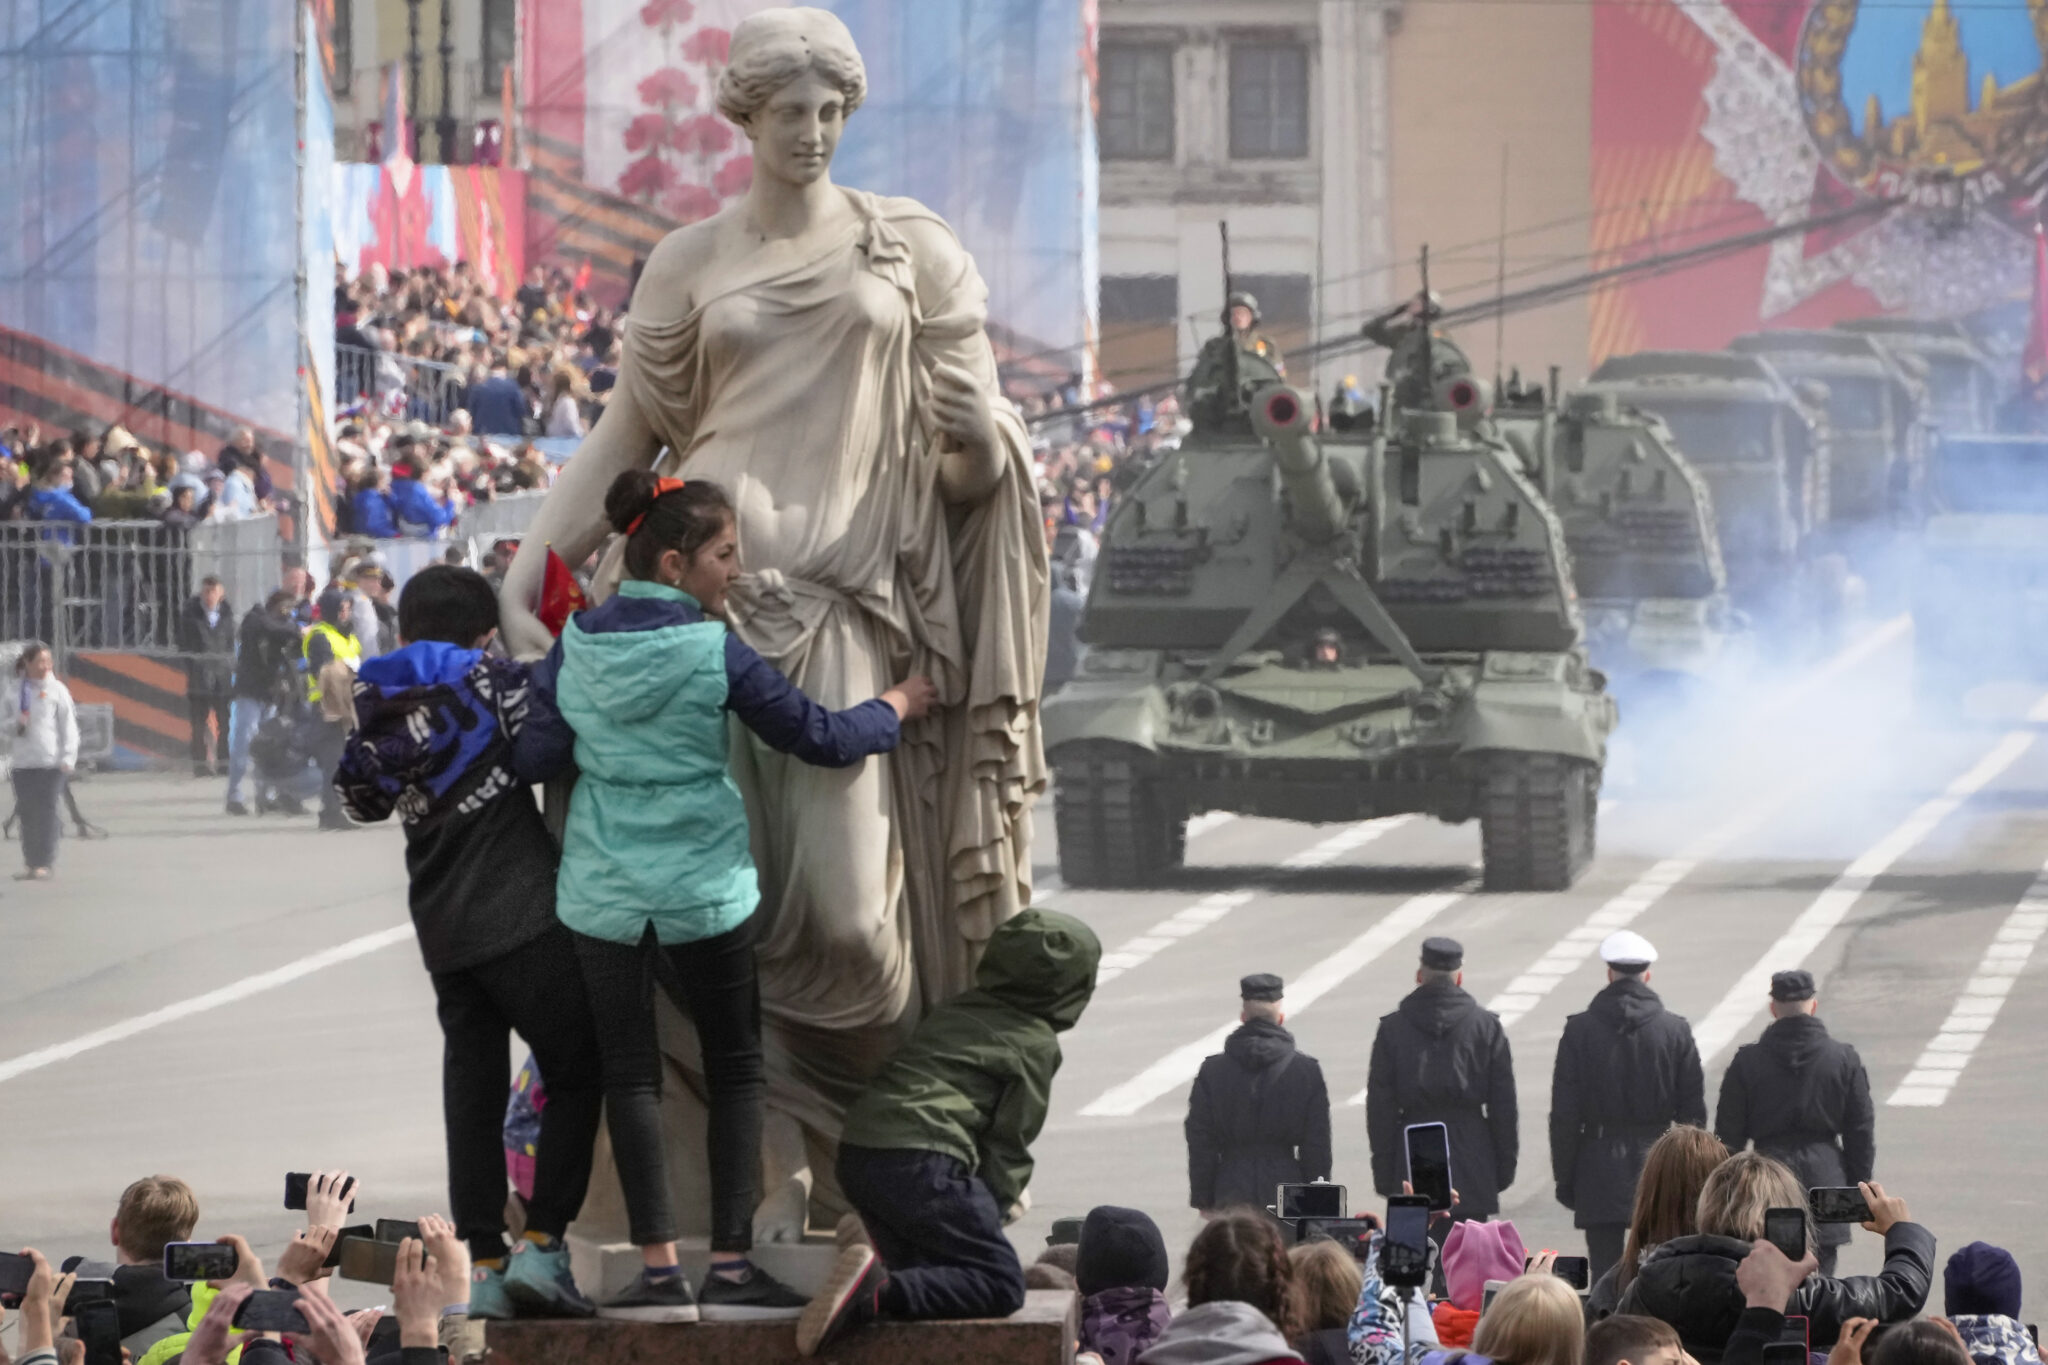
(1242, 298)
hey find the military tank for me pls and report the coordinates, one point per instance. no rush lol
(1762, 448)
(1322, 626)
(1639, 522)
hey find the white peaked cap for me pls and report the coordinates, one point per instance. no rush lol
(1625, 945)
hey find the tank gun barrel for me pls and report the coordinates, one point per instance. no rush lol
(1282, 417)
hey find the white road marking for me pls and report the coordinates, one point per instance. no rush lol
(1746, 997)
(1949, 1051)
(1179, 1066)
(1198, 825)
(1206, 911)
(200, 1004)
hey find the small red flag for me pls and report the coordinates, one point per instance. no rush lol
(2034, 360)
(582, 280)
(560, 594)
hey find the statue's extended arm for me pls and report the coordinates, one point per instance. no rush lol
(572, 516)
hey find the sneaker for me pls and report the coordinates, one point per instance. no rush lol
(237, 808)
(537, 1279)
(760, 1297)
(649, 1300)
(487, 1297)
(852, 1297)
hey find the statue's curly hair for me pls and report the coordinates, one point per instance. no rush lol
(774, 47)
(1240, 1257)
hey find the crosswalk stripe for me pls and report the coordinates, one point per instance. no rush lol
(1948, 1052)
(1179, 1066)
(1806, 933)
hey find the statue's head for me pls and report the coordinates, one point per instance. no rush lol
(793, 77)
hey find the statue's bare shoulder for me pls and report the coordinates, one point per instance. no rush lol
(668, 285)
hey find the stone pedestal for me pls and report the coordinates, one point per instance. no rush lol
(603, 1269)
(1041, 1334)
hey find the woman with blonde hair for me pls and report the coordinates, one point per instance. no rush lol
(1666, 1205)
(1690, 1282)
(1535, 1320)
(1327, 1279)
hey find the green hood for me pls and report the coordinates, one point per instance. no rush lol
(1043, 963)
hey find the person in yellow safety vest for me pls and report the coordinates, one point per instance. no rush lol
(331, 641)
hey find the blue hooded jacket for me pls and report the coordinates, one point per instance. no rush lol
(636, 692)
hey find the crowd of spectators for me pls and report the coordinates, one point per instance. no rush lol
(106, 474)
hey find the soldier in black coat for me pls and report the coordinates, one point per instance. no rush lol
(1803, 1098)
(1627, 1070)
(1259, 1116)
(1440, 1058)
(206, 637)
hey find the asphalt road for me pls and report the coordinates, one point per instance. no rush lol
(227, 1000)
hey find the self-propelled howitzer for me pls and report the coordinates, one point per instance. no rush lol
(1330, 627)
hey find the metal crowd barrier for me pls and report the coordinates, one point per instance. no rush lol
(118, 586)
(398, 385)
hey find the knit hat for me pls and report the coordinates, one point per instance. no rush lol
(1477, 1252)
(1982, 1280)
(1120, 1248)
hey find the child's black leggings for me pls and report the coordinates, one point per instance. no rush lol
(714, 982)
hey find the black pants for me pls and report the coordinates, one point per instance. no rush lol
(536, 990)
(714, 982)
(202, 705)
(36, 794)
(1604, 1242)
(328, 739)
(938, 1232)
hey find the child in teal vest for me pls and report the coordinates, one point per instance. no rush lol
(656, 861)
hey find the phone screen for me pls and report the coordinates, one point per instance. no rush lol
(15, 1272)
(271, 1310)
(1784, 1353)
(1404, 1251)
(195, 1261)
(1838, 1204)
(369, 1261)
(86, 1291)
(1429, 1162)
(396, 1230)
(99, 1327)
(1786, 1230)
(1575, 1271)
(1797, 1329)
(1318, 1200)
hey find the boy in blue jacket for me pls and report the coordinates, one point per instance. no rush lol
(436, 721)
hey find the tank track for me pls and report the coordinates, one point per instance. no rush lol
(1115, 829)
(1537, 820)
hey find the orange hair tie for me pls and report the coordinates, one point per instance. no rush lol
(662, 488)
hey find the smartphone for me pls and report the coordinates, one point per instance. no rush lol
(2034, 1335)
(1065, 1232)
(295, 1183)
(364, 1230)
(1493, 1287)
(1575, 1271)
(1404, 1251)
(1320, 1199)
(1429, 1162)
(370, 1261)
(272, 1310)
(99, 1327)
(16, 1271)
(1797, 1329)
(1353, 1234)
(86, 1291)
(192, 1262)
(398, 1229)
(1785, 1229)
(1838, 1204)
(1784, 1353)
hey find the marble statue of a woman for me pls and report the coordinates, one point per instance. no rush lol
(820, 352)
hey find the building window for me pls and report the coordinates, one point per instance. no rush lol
(1140, 329)
(1137, 102)
(344, 37)
(1286, 307)
(1268, 100)
(501, 36)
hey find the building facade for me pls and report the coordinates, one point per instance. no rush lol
(1335, 138)
(473, 41)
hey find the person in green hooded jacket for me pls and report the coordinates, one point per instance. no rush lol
(657, 878)
(937, 1149)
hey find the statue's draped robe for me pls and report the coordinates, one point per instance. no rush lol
(802, 386)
